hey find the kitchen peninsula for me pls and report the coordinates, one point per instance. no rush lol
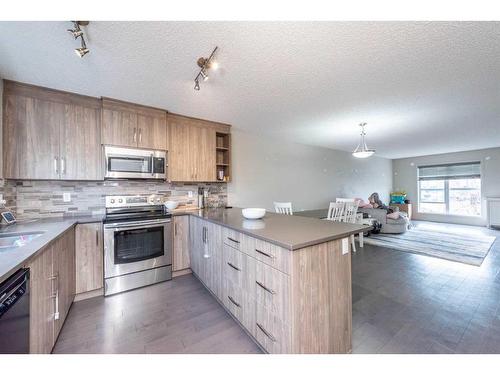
(285, 279)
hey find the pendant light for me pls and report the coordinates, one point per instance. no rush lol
(362, 151)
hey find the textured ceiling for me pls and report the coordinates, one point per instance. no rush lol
(422, 87)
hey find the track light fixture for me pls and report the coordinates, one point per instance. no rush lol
(77, 32)
(205, 64)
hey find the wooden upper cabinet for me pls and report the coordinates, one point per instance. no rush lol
(131, 125)
(50, 134)
(152, 131)
(192, 148)
(31, 136)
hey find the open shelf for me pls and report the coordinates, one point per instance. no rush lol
(223, 156)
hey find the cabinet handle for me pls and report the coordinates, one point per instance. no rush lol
(271, 337)
(97, 237)
(175, 229)
(265, 288)
(140, 135)
(63, 165)
(56, 169)
(265, 254)
(233, 301)
(233, 266)
(55, 296)
(233, 240)
(135, 135)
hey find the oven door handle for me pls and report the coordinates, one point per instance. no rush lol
(135, 225)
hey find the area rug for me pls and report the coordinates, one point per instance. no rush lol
(468, 249)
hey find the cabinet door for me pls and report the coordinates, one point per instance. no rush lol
(214, 260)
(89, 257)
(181, 243)
(152, 130)
(42, 303)
(81, 143)
(119, 127)
(31, 137)
(196, 244)
(180, 165)
(203, 153)
(64, 267)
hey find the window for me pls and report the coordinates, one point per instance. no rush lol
(453, 189)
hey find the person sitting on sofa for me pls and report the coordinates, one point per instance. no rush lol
(391, 219)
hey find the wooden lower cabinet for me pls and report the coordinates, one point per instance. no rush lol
(181, 259)
(52, 285)
(289, 301)
(89, 257)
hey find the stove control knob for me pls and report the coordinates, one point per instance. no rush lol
(112, 201)
(120, 200)
(158, 199)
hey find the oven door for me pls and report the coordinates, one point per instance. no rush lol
(134, 163)
(137, 246)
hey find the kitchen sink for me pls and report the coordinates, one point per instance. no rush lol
(10, 240)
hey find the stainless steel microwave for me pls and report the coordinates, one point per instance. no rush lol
(135, 163)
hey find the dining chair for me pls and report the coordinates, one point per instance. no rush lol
(335, 211)
(284, 208)
(350, 212)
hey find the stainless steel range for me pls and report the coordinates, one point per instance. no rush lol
(137, 242)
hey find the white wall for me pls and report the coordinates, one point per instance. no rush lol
(267, 170)
(405, 178)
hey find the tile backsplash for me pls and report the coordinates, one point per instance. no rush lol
(38, 199)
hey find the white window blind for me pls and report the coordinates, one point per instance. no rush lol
(450, 171)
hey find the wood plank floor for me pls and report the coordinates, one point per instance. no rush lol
(178, 316)
(402, 303)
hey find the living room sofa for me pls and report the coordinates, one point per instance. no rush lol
(394, 226)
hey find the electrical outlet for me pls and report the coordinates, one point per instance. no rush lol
(345, 246)
(190, 194)
(66, 197)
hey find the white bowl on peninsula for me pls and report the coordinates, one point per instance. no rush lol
(171, 205)
(253, 213)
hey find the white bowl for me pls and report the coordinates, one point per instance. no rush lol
(171, 205)
(253, 213)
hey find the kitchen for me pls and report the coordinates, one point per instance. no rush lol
(120, 163)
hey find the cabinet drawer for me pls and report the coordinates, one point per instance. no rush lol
(232, 298)
(271, 255)
(272, 288)
(231, 238)
(233, 265)
(271, 332)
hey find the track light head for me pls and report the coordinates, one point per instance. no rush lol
(76, 33)
(82, 51)
(204, 74)
(197, 85)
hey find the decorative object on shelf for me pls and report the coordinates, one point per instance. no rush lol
(77, 32)
(362, 151)
(253, 213)
(398, 197)
(205, 64)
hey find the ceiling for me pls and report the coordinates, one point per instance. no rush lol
(422, 87)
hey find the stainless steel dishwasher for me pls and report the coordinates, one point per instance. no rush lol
(15, 313)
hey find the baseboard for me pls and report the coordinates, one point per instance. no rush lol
(89, 294)
(181, 272)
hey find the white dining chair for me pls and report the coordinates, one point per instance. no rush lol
(335, 211)
(350, 213)
(284, 208)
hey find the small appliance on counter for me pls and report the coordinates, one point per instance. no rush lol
(202, 197)
(137, 242)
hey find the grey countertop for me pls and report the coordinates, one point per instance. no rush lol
(11, 259)
(321, 213)
(289, 231)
